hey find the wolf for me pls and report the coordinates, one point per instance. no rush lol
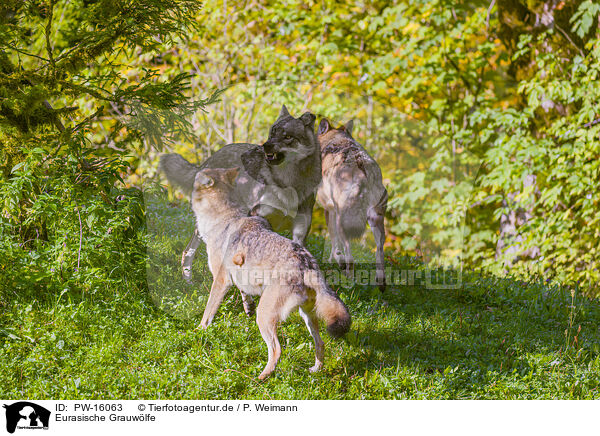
(352, 193)
(278, 179)
(245, 252)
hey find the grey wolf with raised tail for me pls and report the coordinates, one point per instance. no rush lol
(352, 194)
(278, 179)
(245, 252)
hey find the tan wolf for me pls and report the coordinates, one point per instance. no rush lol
(244, 251)
(351, 193)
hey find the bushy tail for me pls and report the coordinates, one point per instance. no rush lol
(179, 171)
(329, 307)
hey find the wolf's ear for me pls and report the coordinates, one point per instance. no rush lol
(309, 120)
(203, 180)
(324, 126)
(284, 112)
(348, 127)
(230, 174)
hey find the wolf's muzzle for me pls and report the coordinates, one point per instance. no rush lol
(273, 157)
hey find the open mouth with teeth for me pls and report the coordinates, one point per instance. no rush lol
(274, 158)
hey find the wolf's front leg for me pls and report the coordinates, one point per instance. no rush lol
(249, 305)
(220, 286)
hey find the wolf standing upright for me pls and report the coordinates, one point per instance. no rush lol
(351, 193)
(278, 180)
(243, 250)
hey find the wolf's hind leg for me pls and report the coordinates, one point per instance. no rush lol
(267, 317)
(344, 253)
(310, 318)
(341, 243)
(187, 258)
(376, 216)
(331, 221)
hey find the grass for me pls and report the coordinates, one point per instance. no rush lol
(494, 338)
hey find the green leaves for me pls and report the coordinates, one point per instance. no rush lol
(66, 92)
(584, 18)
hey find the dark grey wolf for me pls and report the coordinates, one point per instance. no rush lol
(244, 251)
(351, 193)
(278, 180)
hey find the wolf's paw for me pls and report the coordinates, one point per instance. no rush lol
(340, 261)
(250, 308)
(264, 375)
(349, 267)
(317, 367)
(187, 274)
(380, 280)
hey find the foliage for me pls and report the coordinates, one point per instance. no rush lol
(68, 221)
(461, 102)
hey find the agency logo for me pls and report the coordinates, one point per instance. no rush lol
(26, 415)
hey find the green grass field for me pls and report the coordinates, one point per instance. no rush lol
(493, 338)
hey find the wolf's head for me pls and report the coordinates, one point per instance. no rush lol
(214, 191)
(291, 139)
(326, 133)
